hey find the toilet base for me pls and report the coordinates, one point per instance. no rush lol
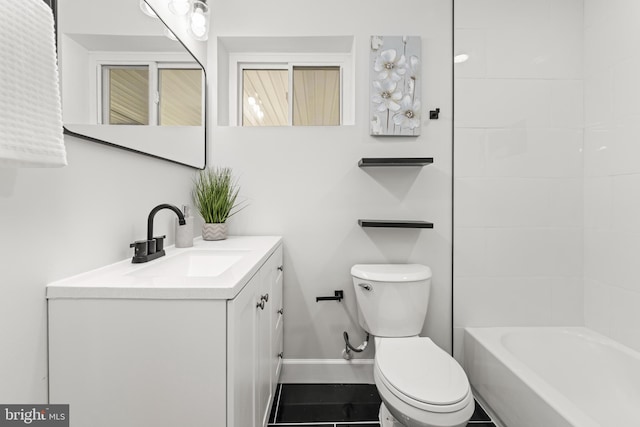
(386, 419)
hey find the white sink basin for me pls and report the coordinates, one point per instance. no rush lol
(193, 263)
(208, 270)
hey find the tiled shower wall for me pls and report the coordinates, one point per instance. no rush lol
(612, 169)
(518, 190)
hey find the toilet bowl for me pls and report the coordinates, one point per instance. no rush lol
(420, 384)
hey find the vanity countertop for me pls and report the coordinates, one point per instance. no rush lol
(190, 273)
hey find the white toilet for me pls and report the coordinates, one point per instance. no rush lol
(420, 384)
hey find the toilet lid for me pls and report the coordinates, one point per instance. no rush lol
(396, 273)
(420, 370)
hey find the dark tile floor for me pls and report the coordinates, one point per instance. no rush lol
(337, 405)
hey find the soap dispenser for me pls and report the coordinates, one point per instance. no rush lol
(184, 233)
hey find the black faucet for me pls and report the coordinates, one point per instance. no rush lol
(153, 247)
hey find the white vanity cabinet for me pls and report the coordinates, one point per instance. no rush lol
(254, 346)
(130, 358)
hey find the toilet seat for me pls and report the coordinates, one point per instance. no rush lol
(421, 374)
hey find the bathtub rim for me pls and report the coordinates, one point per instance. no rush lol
(489, 339)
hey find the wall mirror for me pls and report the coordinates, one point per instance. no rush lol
(127, 81)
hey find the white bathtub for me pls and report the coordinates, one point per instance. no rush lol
(554, 377)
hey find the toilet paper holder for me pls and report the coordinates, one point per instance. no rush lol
(338, 296)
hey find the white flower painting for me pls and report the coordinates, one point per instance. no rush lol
(395, 85)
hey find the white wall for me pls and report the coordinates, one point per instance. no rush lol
(612, 170)
(518, 163)
(59, 222)
(304, 183)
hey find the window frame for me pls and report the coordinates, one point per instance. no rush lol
(238, 62)
(155, 61)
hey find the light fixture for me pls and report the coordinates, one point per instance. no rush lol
(199, 20)
(179, 7)
(147, 9)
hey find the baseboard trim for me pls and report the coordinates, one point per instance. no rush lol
(327, 371)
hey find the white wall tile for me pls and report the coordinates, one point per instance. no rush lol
(626, 102)
(599, 258)
(509, 202)
(625, 317)
(598, 201)
(597, 306)
(622, 24)
(519, 214)
(595, 11)
(544, 53)
(501, 13)
(534, 252)
(598, 147)
(567, 104)
(534, 153)
(469, 152)
(624, 150)
(567, 300)
(623, 248)
(599, 54)
(471, 42)
(611, 257)
(612, 171)
(625, 203)
(502, 301)
(470, 250)
(567, 14)
(598, 98)
(502, 103)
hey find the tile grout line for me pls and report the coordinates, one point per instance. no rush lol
(485, 412)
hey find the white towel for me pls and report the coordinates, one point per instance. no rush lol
(30, 110)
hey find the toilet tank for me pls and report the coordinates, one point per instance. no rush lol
(392, 298)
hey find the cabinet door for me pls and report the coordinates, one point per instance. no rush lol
(269, 349)
(241, 355)
(277, 319)
(252, 350)
(264, 392)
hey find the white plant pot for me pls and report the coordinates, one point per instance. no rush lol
(214, 231)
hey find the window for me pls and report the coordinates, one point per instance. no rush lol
(126, 95)
(286, 81)
(180, 97)
(154, 93)
(316, 96)
(265, 100)
(290, 94)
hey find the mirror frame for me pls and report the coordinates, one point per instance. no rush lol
(54, 7)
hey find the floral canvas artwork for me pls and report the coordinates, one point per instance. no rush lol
(395, 85)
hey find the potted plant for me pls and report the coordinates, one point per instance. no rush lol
(215, 193)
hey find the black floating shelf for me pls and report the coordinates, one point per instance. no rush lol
(394, 161)
(380, 223)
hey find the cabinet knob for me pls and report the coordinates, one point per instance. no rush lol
(281, 355)
(280, 268)
(260, 305)
(281, 311)
(265, 297)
